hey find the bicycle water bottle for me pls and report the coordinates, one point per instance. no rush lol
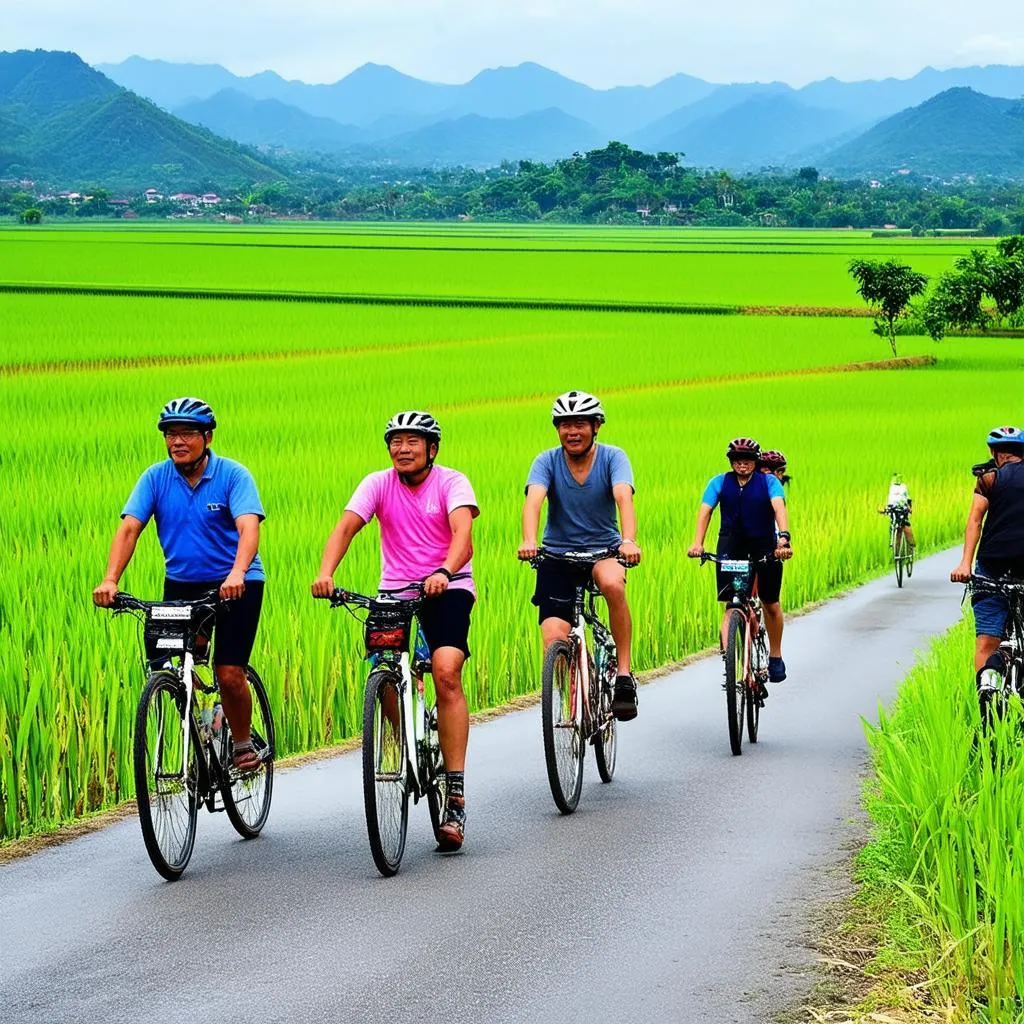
(421, 650)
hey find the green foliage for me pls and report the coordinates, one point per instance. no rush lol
(887, 286)
(949, 813)
(31, 216)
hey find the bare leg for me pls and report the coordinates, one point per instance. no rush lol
(984, 647)
(773, 624)
(610, 578)
(236, 700)
(452, 712)
(554, 629)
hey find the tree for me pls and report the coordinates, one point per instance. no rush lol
(809, 175)
(887, 286)
(956, 303)
(31, 216)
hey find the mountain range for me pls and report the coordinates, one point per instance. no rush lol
(64, 121)
(528, 111)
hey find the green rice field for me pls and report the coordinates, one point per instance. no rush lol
(302, 391)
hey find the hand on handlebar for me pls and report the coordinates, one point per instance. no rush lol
(323, 586)
(695, 551)
(436, 583)
(961, 574)
(527, 550)
(233, 586)
(783, 552)
(629, 552)
(103, 595)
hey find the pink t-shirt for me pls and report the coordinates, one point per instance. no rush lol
(414, 530)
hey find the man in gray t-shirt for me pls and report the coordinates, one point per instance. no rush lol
(585, 484)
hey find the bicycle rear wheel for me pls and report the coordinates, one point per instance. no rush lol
(247, 797)
(436, 782)
(385, 772)
(753, 698)
(605, 740)
(560, 720)
(735, 679)
(165, 775)
(899, 552)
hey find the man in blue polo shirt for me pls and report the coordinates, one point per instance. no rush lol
(754, 522)
(208, 515)
(585, 484)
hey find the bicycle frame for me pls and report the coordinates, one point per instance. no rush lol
(1011, 647)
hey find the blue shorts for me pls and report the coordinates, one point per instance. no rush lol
(990, 610)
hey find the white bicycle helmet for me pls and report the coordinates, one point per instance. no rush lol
(414, 422)
(576, 405)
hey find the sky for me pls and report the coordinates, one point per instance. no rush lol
(600, 42)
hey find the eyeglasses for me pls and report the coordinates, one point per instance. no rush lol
(399, 442)
(182, 435)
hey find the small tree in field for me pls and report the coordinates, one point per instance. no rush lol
(31, 216)
(887, 286)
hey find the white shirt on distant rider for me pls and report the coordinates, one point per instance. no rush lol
(898, 495)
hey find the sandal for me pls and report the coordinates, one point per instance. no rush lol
(245, 758)
(452, 831)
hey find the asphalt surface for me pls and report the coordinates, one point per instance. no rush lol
(684, 891)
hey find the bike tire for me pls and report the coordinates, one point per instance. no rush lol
(247, 797)
(735, 681)
(165, 775)
(909, 561)
(606, 740)
(436, 783)
(753, 704)
(899, 548)
(385, 772)
(563, 738)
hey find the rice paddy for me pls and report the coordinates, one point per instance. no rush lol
(302, 392)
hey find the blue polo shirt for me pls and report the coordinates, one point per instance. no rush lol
(196, 525)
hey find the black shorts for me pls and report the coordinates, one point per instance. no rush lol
(445, 619)
(555, 594)
(767, 574)
(235, 626)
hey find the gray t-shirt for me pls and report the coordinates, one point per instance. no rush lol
(581, 517)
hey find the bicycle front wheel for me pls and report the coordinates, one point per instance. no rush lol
(754, 700)
(385, 772)
(247, 797)
(560, 719)
(165, 775)
(735, 677)
(899, 554)
(605, 741)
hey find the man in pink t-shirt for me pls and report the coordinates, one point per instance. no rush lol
(426, 515)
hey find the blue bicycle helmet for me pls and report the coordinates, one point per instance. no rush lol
(999, 436)
(193, 412)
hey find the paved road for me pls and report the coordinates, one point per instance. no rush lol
(681, 892)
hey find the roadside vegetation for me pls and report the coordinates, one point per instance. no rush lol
(936, 929)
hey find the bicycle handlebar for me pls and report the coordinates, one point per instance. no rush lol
(125, 602)
(340, 596)
(581, 558)
(708, 556)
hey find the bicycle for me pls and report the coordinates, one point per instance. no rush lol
(902, 552)
(1011, 649)
(745, 648)
(401, 750)
(577, 688)
(182, 746)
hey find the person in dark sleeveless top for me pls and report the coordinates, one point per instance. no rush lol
(995, 530)
(754, 522)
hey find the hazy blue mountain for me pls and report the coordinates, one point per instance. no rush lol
(960, 131)
(765, 130)
(479, 141)
(167, 84)
(65, 123)
(237, 116)
(873, 100)
(663, 133)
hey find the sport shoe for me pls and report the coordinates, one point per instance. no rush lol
(624, 700)
(451, 833)
(776, 670)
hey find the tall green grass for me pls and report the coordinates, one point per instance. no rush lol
(310, 428)
(949, 813)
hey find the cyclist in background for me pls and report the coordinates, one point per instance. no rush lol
(774, 462)
(208, 516)
(899, 498)
(995, 529)
(754, 522)
(584, 483)
(426, 515)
